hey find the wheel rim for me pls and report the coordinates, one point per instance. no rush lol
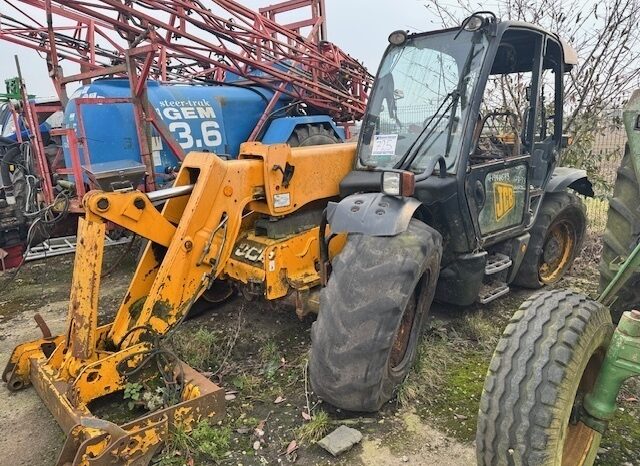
(580, 440)
(403, 334)
(557, 251)
(407, 330)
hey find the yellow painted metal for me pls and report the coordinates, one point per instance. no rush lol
(191, 243)
(131, 210)
(83, 301)
(282, 265)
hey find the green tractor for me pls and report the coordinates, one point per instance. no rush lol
(552, 384)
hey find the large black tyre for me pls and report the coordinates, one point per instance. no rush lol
(556, 239)
(621, 235)
(547, 359)
(312, 135)
(371, 314)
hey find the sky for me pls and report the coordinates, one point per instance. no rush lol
(359, 27)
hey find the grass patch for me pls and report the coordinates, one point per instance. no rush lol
(203, 442)
(198, 349)
(479, 328)
(445, 384)
(620, 441)
(315, 429)
(427, 374)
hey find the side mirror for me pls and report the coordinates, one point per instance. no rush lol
(527, 92)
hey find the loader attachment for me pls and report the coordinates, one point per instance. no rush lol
(191, 242)
(70, 371)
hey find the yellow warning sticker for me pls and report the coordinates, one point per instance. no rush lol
(505, 199)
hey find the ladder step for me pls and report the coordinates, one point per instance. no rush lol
(497, 263)
(491, 291)
(65, 245)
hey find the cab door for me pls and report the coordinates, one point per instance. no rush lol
(498, 178)
(498, 194)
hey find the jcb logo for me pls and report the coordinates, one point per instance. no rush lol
(249, 251)
(505, 199)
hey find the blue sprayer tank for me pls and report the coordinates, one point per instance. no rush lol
(201, 118)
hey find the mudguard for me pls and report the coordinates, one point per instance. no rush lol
(567, 177)
(373, 214)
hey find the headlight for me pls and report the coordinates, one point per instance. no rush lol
(398, 37)
(474, 23)
(401, 183)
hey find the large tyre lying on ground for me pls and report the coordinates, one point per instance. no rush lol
(556, 240)
(546, 361)
(621, 235)
(371, 312)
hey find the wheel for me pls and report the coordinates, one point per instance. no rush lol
(371, 312)
(556, 240)
(546, 361)
(621, 235)
(217, 294)
(312, 135)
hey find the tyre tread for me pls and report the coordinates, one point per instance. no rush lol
(360, 308)
(536, 355)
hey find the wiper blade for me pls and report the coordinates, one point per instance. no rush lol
(414, 149)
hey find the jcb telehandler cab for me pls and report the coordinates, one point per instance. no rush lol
(445, 194)
(451, 195)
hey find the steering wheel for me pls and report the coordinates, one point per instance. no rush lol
(494, 140)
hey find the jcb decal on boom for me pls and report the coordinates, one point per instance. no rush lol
(504, 199)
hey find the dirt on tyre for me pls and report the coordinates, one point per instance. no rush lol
(621, 235)
(371, 314)
(556, 239)
(546, 361)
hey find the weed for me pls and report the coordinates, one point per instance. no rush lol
(268, 351)
(270, 358)
(145, 395)
(133, 393)
(197, 349)
(315, 429)
(246, 421)
(246, 383)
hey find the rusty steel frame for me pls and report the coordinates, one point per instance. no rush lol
(189, 43)
(195, 43)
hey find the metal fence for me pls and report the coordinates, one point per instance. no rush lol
(608, 148)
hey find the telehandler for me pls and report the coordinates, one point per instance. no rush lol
(437, 198)
(554, 379)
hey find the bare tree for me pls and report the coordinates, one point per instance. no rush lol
(606, 37)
